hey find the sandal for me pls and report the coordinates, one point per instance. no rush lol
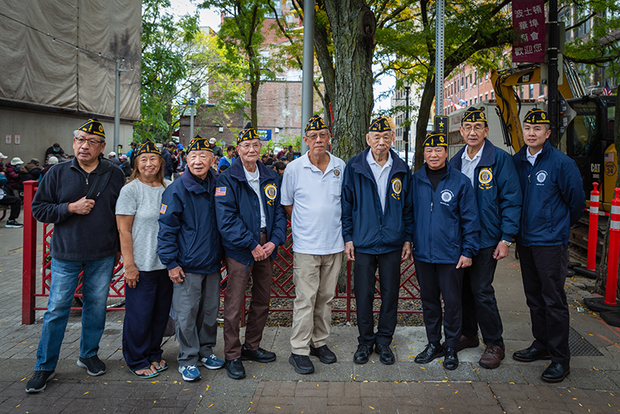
(161, 368)
(144, 376)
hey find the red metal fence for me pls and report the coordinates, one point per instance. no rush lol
(282, 286)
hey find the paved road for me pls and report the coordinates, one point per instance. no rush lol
(342, 388)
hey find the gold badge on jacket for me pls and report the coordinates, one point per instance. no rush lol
(397, 187)
(271, 191)
(485, 178)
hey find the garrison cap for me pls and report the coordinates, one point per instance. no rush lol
(473, 114)
(380, 124)
(93, 126)
(247, 134)
(435, 139)
(536, 116)
(199, 144)
(147, 147)
(315, 123)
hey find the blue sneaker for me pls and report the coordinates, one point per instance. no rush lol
(212, 362)
(189, 372)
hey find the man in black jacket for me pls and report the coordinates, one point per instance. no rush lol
(79, 197)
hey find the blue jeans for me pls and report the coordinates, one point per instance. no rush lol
(97, 278)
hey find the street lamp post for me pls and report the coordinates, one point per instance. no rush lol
(117, 97)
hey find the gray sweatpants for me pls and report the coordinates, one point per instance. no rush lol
(196, 302)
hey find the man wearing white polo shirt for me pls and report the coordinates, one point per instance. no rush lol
(311, 192)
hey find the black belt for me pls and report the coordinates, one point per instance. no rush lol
(263, 230)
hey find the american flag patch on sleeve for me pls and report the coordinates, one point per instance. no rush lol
(163, 208)
(220, 191)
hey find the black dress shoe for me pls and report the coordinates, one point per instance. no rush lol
(301, 363)
(235, 368)
(555, 372)
(259, 355)
(362, 354)
(386, 356)
(431, 352)
(530, 354)
(451, 361)
(325, 354)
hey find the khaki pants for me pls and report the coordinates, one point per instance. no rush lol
(315, 279)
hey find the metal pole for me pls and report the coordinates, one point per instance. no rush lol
(307, 107)
(117, 96)
(439, 48)
(406, 132)
(191, 119)
(554, 43)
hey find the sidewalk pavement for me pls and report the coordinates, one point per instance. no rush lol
(343, 387)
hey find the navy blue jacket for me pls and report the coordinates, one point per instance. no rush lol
(188, 235)
(446, 224)
(77, 237)
(372, 230)
(238, 211)
(498, 194)
(167, 156)
(553, 197)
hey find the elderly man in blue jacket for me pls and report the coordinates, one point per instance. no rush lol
(553, 200)
(494, 179)
(445, 239)
(252, 224)
(189, 246)
(376, 226)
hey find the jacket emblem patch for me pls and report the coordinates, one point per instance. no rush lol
(220, 191)
(271, 191)
(484, 178)
(541, 176)
(397, 187)
(163, 209)
(446, 197)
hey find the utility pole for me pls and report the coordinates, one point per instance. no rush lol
(192, 102)
(117, 97)
(307, 101)
(554, 44)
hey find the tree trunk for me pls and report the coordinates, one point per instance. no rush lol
(324, 57)
(423, 115)
(353, 27)
(254, 103)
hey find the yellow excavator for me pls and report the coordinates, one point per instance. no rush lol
(586, 123)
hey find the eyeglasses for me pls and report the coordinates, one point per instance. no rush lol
(255, 145)
(477, 128)
(91, 141)
(322, 135)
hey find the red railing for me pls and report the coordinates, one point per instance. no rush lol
(282, 286)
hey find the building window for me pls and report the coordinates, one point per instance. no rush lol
(476, 100)
(492, 94)
(531, 91)
(486, 96)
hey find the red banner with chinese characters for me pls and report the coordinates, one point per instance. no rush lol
(528, 22)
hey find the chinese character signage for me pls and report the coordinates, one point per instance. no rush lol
(528, 22)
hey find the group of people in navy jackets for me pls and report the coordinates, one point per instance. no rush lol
(455, 219)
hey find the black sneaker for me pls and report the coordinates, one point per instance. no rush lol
(13, 224)
(235, 368)
(258, 355)
(301, 363)
(325, 354)
(94, 366)
(38, 381)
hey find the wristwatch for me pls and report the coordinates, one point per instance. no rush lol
(507, 243)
